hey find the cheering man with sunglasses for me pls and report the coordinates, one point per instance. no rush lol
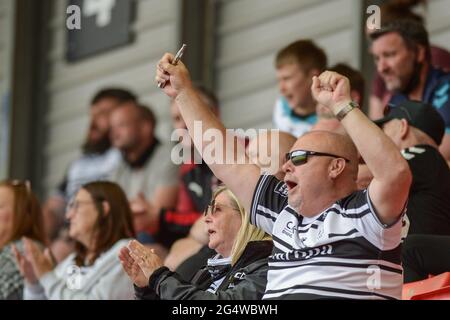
(330, 240)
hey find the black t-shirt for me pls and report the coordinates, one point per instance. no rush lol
(429, 198)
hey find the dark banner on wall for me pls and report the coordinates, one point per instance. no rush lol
(96, 26)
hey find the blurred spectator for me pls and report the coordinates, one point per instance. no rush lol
(403, 58)
(440, 58)
(146, 173)
(238, 270)
(100, 222)
(417, 129)
(195, 182)
(268, 162)
(20, 216)
(296, 64)
(97, 160)
(326, 119)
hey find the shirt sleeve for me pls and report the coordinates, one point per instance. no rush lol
(358, 207)
(269, 200)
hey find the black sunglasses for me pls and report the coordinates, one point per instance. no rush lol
(299, 157)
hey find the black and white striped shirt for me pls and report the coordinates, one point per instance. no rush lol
(343, 252)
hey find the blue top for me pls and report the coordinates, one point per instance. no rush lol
(285, 119)
(436, 93)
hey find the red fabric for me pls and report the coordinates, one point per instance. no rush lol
(182, 218)
(185, 213)
(184, 202)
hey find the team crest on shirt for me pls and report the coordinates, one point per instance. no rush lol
(281, 189)
(289, 229)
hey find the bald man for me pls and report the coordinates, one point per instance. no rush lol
(330, 240)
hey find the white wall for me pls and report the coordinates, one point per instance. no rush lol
(250, 32)
(6, 56)
(438, 22)
(71, 86)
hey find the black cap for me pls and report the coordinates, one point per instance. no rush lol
(420, 115)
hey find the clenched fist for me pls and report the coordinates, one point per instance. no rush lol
(176, 77)
(332, 90)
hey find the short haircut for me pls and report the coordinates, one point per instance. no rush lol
(303, 52)
(412, 32)
(118, 94)
(146, 113)
(356, 78)
(401, 9)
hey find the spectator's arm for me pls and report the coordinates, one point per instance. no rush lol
(391, 174)
(364, 177)
(242, 178)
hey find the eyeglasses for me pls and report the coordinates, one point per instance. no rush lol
(299, 157)
(213, 206)
(75, 204)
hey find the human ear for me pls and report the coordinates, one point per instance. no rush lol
(421, 52)
(404, 128)
(336, 167)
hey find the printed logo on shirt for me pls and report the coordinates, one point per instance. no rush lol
(441, 96)
(289, 229)
(303, 254)
(281, 189)
(240, 275)
(196, 188)
(410, 153)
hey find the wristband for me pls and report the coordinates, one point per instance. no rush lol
(345, 110)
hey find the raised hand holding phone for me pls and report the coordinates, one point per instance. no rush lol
(178, 56)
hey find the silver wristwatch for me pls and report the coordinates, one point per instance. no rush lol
(345, 110)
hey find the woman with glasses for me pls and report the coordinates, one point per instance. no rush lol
(100, 223)
(238, 270)
(20, 216)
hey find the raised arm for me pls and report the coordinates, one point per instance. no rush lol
(391, 175)
(241, 179)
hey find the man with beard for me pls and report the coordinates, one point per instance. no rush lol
(146, 172)
(96, 162)
(401, 50)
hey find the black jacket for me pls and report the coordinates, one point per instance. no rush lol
(246, 280)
